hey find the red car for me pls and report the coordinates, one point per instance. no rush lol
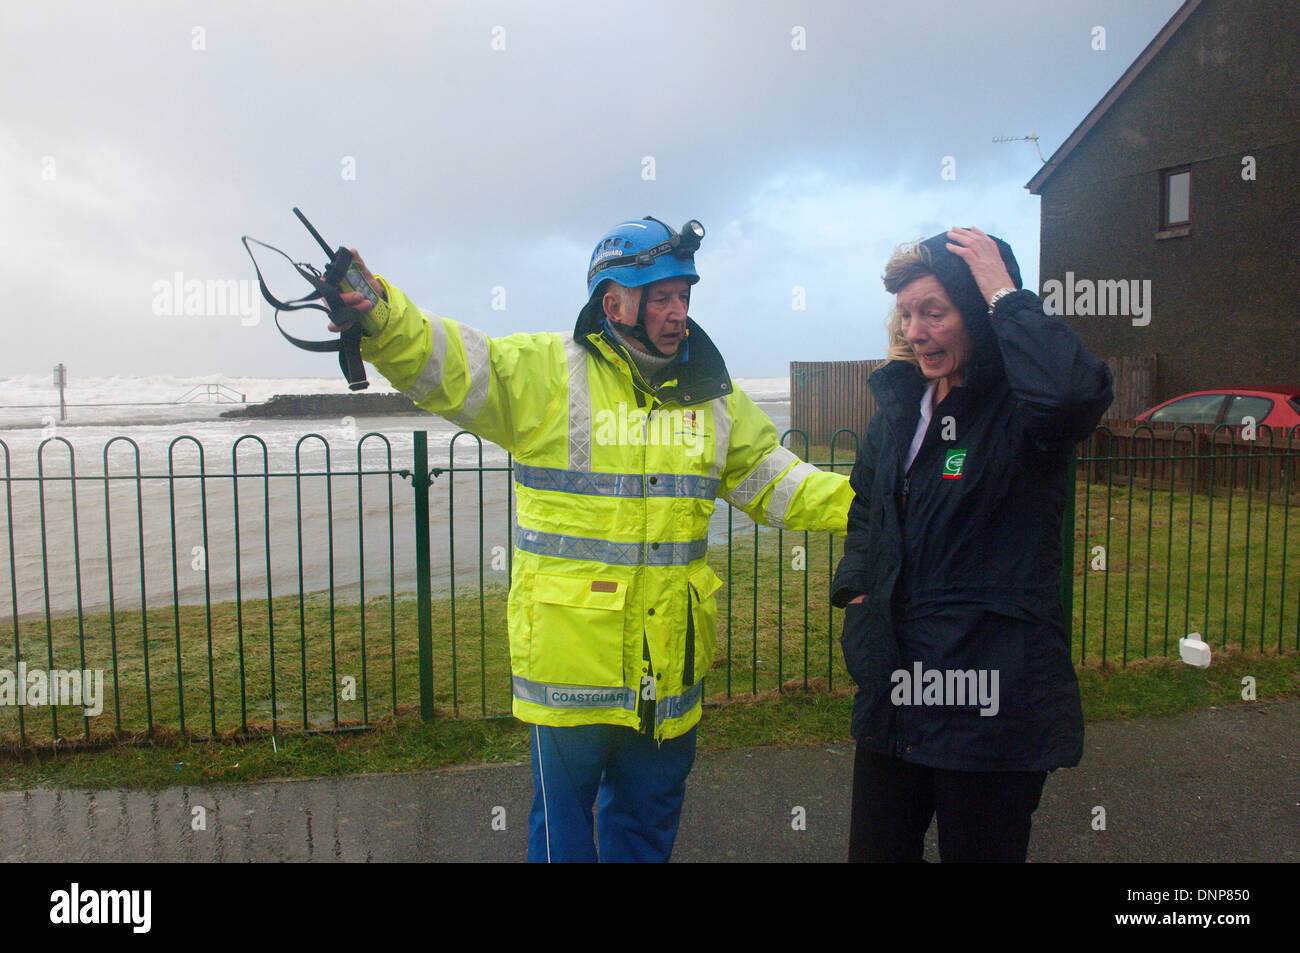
(1271, 408)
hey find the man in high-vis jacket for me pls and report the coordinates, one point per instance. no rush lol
(623, 434)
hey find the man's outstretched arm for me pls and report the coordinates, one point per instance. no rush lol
(458, 372)
(772, 485)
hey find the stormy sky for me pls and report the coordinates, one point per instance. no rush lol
(475, 151)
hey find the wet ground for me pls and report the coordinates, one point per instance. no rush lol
(1217, 785)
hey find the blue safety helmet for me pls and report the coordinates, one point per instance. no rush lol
(635, 254)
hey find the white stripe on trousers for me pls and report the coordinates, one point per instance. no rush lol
(541, 774)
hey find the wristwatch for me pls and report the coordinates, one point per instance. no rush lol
(998, 296)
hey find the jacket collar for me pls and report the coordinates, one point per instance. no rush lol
(697, 380)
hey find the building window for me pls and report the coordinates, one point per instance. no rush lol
(1175, 197)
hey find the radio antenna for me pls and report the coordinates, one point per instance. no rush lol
(1032, 137)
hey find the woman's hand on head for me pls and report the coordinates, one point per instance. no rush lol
(981, 255)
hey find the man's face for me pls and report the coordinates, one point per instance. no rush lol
(935, 329)
(666, 303)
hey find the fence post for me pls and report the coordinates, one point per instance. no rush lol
(423, 595)
(1067, 547)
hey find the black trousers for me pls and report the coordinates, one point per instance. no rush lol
(983, 815)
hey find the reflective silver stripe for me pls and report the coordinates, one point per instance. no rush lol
(579, 405)
(763, 474)
(676, 554)
(589, 483)
(583, 696)
(681, 485)
(478, 367)
(579, 547)
(573, 696)
(721, 436)
(578, 481)
(608, 552)
(674, 706)
(784, 492)
(430, 378)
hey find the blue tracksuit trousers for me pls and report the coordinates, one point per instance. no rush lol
(639, 785)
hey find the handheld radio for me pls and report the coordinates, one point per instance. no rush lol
(342, 274)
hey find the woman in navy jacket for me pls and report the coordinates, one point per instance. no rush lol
(953, 627)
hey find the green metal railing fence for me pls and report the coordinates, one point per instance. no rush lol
(1216, 532)
(1171, 532)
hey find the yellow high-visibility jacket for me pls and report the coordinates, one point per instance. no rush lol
(611, 598)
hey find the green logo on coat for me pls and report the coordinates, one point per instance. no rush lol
(952, 464)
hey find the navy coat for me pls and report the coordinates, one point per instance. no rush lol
(962, 572)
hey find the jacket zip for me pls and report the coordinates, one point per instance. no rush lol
(647, 400)
(688, 671)
(647, 706)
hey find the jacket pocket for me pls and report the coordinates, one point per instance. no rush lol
(577, 630)
(853, 641)
(701, 639)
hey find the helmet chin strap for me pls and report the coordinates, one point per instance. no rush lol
(638, 331)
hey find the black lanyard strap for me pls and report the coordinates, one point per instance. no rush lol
(348, 343)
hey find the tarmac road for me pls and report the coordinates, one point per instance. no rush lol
(1216, 785)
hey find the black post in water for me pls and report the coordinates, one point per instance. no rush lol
(420, 480)
(61, 381)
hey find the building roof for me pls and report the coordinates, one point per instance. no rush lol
(1130, 75)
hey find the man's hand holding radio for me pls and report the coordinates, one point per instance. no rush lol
(355, 299)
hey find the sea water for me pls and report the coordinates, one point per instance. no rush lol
(175, 536)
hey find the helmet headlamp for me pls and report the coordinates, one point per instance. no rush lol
(680, 244)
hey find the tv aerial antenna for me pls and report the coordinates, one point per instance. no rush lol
(1032, 137)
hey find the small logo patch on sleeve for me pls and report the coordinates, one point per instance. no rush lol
(952, 464)
(603, 585)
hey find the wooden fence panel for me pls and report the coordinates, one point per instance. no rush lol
(1136, 384)
(826, 396)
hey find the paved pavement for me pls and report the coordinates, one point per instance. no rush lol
(1218, 785)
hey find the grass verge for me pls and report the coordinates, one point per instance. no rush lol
(260, 676)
